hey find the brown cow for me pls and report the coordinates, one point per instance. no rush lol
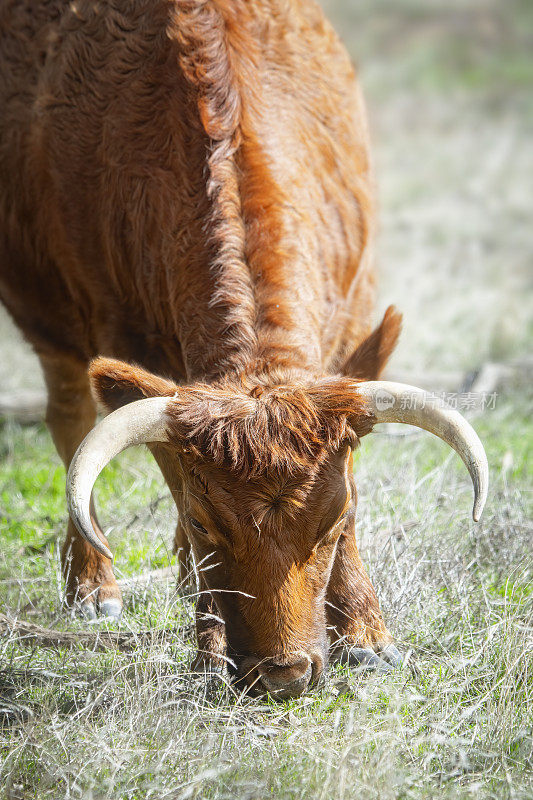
(185, 186)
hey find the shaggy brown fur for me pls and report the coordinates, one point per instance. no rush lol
(186, 185)
(286, 428)
(251, 427)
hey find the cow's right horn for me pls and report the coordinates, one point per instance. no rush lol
(399, 402)
(136, 423)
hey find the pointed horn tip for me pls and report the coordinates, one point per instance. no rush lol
(480, 498)
(477, 511)
(95, 542)
(86, 530)
(100, 546)
(107, 552)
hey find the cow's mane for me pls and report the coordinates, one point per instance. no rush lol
(211, 37)
(285, 427)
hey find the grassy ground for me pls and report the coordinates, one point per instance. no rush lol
(458, 597)
(447, 87)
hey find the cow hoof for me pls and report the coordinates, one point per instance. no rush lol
(391, 655)
(87, 610)
(111, 608)
(209, 667)
(363, 659)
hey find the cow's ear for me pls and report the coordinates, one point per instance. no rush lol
(369, 359)
(116, 383)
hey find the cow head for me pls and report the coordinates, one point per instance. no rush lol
(264, 546)
(260, 471)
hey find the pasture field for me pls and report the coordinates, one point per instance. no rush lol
(448, 87)
(455, 723)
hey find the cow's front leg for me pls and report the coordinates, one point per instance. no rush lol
(70, 416)
(358, 634)
(90, 583)
(182, 549)
(210, 636)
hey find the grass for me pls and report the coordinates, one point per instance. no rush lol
(452, 122)
(481, 45)
(458, 596)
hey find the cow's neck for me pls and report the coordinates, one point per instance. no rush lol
(258, 293)
(260, 317)
(277, 336)
(257, 297)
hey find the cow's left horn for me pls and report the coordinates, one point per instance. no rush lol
(399, 402)
(136, 423)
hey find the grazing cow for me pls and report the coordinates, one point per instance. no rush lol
(186, 192)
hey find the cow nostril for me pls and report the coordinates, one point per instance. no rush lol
(283, 674)
(287, 680)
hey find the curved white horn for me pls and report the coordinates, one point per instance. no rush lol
(135, 423)
(399, 402)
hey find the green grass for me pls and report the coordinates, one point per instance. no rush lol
(456, 723)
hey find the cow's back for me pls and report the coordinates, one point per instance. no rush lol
(173, 170)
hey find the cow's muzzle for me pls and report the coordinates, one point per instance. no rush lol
(284, 682)
(283, 678)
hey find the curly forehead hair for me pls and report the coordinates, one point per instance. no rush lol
(251, 430)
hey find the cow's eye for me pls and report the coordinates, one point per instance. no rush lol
(197, 525)
(340, 522)
(329, 533)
